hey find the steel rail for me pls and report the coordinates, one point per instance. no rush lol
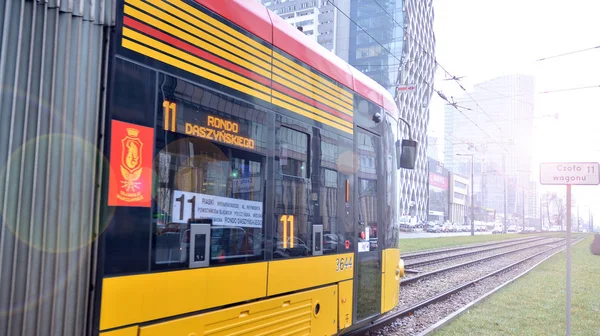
(466, 254)
(449, 268)
(414, 255)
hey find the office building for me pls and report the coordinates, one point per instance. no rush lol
(299, 13)
(459, 200)
(499, 137)
(532, 209)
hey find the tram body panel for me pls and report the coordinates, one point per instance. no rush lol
(263, 129)
(233, 187)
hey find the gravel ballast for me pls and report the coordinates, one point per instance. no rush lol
(430, 286)
(423, 318)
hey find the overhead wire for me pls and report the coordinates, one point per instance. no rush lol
(505, 96)
(572, 89)
(535, 93)
(456, 79)
(568, 53)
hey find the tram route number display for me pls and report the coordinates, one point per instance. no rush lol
(223, 211)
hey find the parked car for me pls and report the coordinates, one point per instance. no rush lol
(299, 247)
(497, 230)
(434, 229)
(330, 242)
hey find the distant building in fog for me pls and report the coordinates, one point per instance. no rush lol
(502, 151)
(458, 199)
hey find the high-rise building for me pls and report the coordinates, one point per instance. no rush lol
(299, 13)
(393, 43)
(498, 135)
(532, 201)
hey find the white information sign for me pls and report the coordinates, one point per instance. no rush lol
(223, 211)
(572, 173)
(364, 246)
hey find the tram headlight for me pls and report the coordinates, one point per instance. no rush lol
(400, 270)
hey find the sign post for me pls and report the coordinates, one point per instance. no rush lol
(569, 173)
(569, 260)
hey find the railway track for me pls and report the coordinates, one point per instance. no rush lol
(393, 320)
(421, 276)
(477, 250)
(420, 254)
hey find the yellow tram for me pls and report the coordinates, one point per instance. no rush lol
(250, 181)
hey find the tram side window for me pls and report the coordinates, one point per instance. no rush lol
(327, 197)
(203, 176)
(368, 211)
(293, 236)
(294, 152)
(214, 182)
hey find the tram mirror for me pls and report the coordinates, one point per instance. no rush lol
(406, 154)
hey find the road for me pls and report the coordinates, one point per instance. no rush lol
(421, 234)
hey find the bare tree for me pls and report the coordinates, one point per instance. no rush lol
(561, 211)
(548, 197)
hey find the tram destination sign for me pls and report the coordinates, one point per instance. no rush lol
(570, 173)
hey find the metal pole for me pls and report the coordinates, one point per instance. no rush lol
(568, 260)
(472, 197)
(504, 173)
(578, 221)
(523, 192)
(541, 216)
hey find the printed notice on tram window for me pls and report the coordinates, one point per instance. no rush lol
(223, 211)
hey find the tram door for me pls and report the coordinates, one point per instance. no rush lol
(368, 212)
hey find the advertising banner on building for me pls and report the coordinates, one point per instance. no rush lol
(438, 189)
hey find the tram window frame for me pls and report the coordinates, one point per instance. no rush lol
(290, 220)
(328, 189)
(243, 159)
(371, 184)
(215, 259)
(281, 149)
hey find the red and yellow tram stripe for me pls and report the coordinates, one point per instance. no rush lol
(179, 34)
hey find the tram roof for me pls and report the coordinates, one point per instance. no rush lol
(257, 19)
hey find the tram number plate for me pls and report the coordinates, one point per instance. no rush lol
(343, 264)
